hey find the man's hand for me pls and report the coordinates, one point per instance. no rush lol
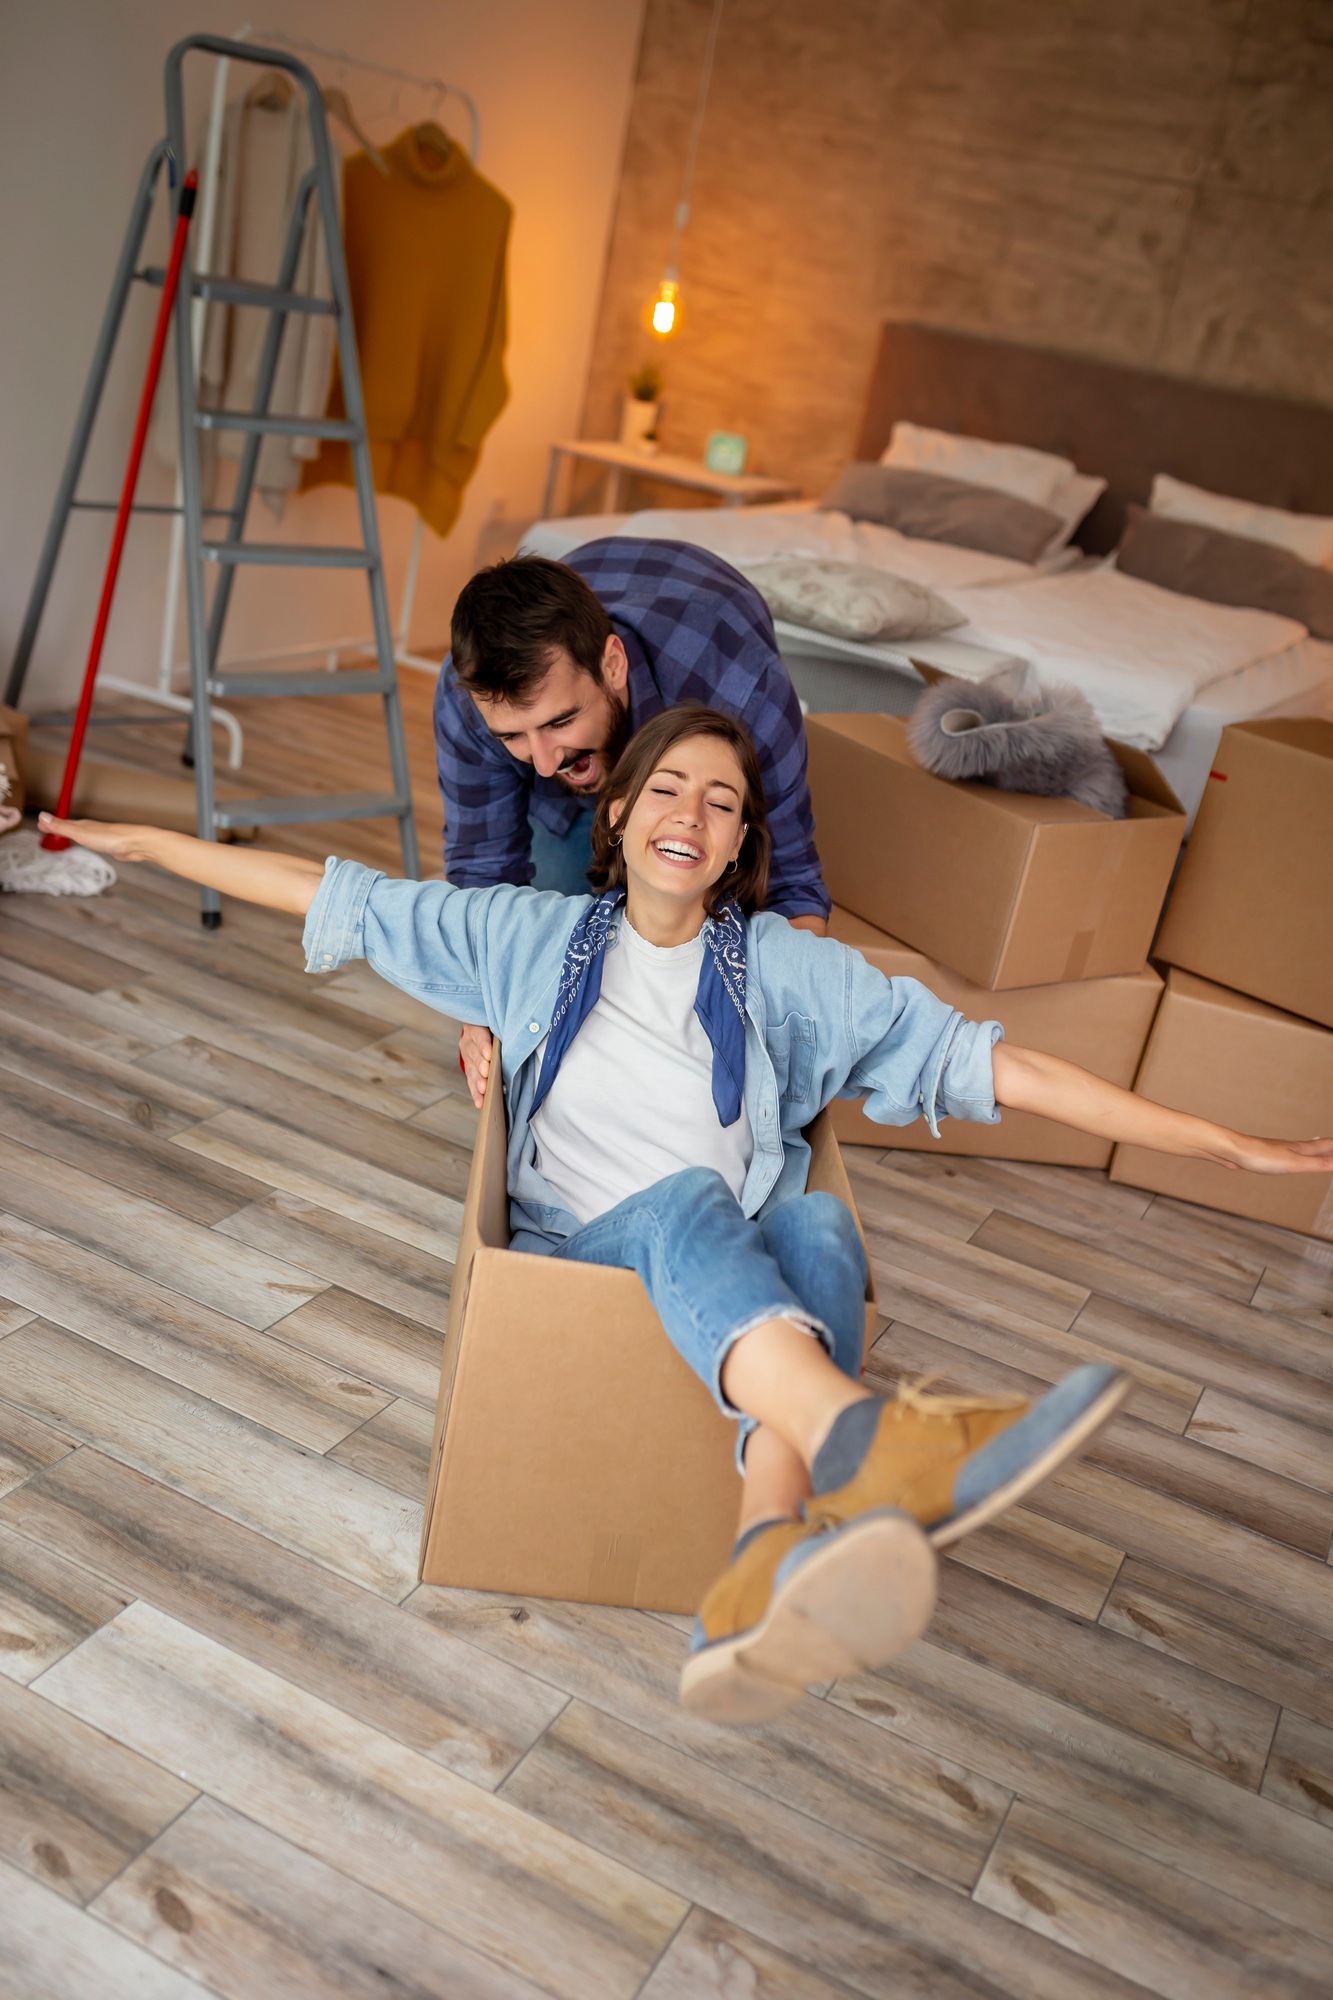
(474, 1050)
(817, 925)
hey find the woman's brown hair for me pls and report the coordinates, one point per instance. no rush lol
(747, 882)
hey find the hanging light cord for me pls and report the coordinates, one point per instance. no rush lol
(687, 182)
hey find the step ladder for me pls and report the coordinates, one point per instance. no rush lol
(227, 550)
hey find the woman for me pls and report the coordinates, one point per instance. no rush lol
(663, 1044)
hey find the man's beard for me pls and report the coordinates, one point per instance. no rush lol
(610, 752)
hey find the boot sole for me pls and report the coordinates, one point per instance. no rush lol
(1069, 1442)
(853, 1605)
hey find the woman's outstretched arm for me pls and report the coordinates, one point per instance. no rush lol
(280, 881)
(1026, 1080)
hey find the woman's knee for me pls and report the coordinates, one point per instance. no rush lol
(697, 1192)
(832, 1225)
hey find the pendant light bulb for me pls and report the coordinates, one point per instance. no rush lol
(665, 314)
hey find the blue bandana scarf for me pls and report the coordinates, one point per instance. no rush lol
(719, 1003)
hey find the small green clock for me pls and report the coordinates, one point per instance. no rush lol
(725, 452)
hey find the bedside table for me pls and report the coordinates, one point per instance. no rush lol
(731, 489)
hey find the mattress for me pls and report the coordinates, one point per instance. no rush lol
(1140, 654)
(793, 528)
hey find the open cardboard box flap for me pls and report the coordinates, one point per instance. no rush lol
(575, 1454)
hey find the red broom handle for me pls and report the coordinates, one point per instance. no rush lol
(169, 288)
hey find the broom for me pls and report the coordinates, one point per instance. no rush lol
(26, 871)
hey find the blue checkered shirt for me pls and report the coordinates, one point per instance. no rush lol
(693, 630)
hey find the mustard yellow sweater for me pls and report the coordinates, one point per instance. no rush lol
(426, 262)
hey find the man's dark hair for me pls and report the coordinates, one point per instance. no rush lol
(511, 618)
(747, 882)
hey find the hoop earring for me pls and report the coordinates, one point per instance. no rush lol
(730, 865)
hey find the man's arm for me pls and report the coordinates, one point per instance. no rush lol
(795, 878)
(1027, 1080)
(486, 795)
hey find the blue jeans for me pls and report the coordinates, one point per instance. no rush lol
(562, 862)
(713, 1275)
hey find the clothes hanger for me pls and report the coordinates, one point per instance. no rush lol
(433, 139)
(431, 136)
(338, 105)
(272, 92)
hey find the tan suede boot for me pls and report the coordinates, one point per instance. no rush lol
(799, 1606)
(955, 1462)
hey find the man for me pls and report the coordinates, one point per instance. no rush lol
(553, 668)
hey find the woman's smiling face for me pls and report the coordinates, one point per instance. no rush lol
(685, 828)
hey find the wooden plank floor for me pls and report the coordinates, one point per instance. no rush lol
(243, 1753)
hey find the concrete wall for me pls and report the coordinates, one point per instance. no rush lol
(1149, 182)
(80, 105)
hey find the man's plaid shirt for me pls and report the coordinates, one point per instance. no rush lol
(694, 630)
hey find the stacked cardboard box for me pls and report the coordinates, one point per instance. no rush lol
(1035, 912)
(14, 754)
(1243, 1033)
(1099, 1023)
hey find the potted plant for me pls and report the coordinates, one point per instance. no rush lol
(642, 406)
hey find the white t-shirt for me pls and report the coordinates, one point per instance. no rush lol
(633, 1101)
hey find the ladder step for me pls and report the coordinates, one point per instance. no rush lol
(288, 555)
(239, 292)
(239, 687)
(303, 427)
(139, 507)
(323, 806)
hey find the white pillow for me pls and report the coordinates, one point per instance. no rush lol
(1309, 536)
(1077, 497)
(849, 599)
(1013, 468)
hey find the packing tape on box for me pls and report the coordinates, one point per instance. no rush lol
(1077, 956)
(613, 1568)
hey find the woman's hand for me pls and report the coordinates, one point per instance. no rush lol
(121, 843)
(1281, 1156)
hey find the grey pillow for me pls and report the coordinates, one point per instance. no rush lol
(1226, 569)
(943, 510)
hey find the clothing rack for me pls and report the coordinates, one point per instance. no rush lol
(163, 692)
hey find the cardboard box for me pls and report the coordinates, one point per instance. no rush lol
(1100, 1023)
(1252, 907)
(575, 1455)
(1008, 889)
(1233, 1059)
(14, 754)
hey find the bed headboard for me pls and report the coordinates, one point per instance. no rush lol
(1123, 423)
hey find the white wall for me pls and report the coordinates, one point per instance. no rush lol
(80, 106)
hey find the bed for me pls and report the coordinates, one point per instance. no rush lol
(1163, 671)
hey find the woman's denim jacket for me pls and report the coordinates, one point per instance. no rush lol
(822, 1022)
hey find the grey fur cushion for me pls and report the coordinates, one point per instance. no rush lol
(1010, 732)
(943, 510)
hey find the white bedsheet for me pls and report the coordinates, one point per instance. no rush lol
(754, 534)
(1140, 654)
